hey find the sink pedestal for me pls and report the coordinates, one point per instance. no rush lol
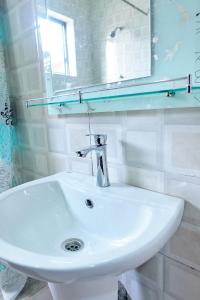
(105, 288)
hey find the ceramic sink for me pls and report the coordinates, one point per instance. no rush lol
(65, 230)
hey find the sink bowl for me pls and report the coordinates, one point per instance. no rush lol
(65, 230)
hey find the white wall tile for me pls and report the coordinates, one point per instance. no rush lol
(29, 47)
(36, 114)
(17, 83)
(56, 139)
(21, 110)
(81, 165)
(32, 79)
(75, 119)
(183, 116)
(28, 160)
(153, 270)
(141, 148)
(182, 146)
(28, 176)
(24, 134)
(187, 188)
(181, 282)
(144, 178)
(17, 158)
(26, 15)
(41, 164)
(58, 163)
(39, 137)
(184, 246)
(106, 118)
(142, 292)
(15, 54)
(10, 3)
(76, 137)
(13, 24)
(143, 120)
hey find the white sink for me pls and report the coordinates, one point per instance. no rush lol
(125, 228)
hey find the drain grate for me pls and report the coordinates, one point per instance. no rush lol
(73, 245)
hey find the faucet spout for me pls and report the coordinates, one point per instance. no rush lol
(84, 152)
(101, 153)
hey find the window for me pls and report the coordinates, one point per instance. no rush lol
(58, 43)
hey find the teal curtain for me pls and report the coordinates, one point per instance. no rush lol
(11, 282)
(7, 135)
(7, 130)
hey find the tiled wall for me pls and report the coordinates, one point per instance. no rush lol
(157, 150)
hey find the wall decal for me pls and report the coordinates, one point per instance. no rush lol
(170, 53)
(155, 39)
(155, 57)
(185, 16)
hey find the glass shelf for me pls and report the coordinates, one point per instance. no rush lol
(73, 99)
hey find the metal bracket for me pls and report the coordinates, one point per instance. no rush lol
(80, 96)
(189, 85)
(171, 93)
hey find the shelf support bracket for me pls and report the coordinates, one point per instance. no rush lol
(80, 97)
(189, 84)
(171, 94)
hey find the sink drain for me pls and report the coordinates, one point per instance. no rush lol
(73, 245)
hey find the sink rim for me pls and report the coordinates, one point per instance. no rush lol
(27, 259)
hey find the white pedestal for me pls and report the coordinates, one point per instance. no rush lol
(101, 289)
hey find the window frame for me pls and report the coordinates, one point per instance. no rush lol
(69, 40)
(65, 46)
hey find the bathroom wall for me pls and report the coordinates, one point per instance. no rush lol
(156, 150)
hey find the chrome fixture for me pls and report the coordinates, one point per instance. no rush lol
(114, 32)
(101, 152)
(72, 245)
(135, 7)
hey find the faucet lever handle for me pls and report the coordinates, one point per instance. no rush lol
(99, 139)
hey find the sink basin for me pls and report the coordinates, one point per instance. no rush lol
(65, 230)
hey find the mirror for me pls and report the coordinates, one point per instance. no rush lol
(87, 42)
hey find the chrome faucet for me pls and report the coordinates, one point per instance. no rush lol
(101, 152)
